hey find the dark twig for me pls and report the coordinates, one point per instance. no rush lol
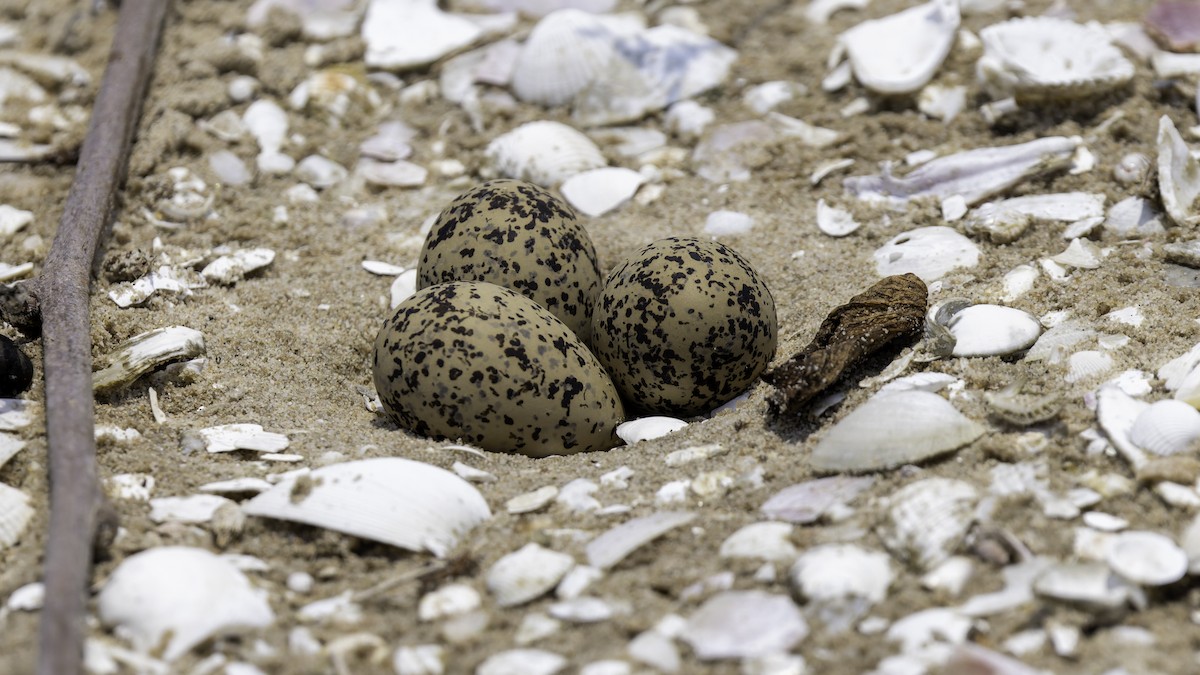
(61, 293)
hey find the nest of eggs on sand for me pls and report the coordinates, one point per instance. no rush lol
(515, 342)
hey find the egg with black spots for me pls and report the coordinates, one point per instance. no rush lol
(517, 235)
(484, 364)
(683, 326)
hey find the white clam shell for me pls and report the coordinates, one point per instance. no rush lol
(15, 514)
(526, 574)
(892, 429)
(180, 597)
(744, 624)
(1178, 175)
(596, 192)
(1089, 584)
(899, 54)
(927, 520)
(395, 501)
(611, 547)
(544, 152)
(564, 54)
(1167, 427)
(992, 330)
(928, 252)
(1147, 558)
(1049, 57)
(841, 571)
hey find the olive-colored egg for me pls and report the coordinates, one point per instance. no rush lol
(481, 363)
(517, 235)
(683, 326)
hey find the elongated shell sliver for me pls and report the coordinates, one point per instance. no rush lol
(894, 429)
(395, 501)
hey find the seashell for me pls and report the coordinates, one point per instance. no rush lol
(1178, 175)
(610, 548)
(191, 509)
(395, 501)
(992, 330)
(648, 428)
(449, 600)
(1022, 410)
(230, 437)
(391, 174)
(564, 53)
(833, 221)
(942, 103)
(1133, 218)
(403, 34)
(806, 502)
(523, 661)
(9, 447)
(320, 172)
(15, 514)
(899, 54)
(1132, 169)
(179, 597)
(928, 252)
(841, 582)
(1089, 585)
(13, 220)
(1004, 221)
(146, 352)
(1175, 24)
(1018, 281)
(526, 574)
(1052, 346)
(267, 123)
(927, 520)
(544, 152)
(744, 624)
(1116, 412)
(1167, 427)
(1087, 365)
(1081, 253)
(761, 541)
(596, 192)
(232, 268)
(893, 429)
(15, 414)
(726, 223)
(1147, 558)
(1046, 57)
(974, 175)
(320, 19)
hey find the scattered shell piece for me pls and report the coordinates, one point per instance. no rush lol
(744, 624)
(833, 221)
(927, 520)
(230, 437)
(1147, 558)
(9, 447)
(233, 486)
(949, 577)
(526, 574)
(943, 103)
(1050, 58)
(1087, 365)
(892, 429)
(582, 610)
(1006, 220)
(598, 191)
(899, 54)
(28, 598)
(1175, 24)
(693, 454)
(565, 53)
(1081, 254)
(13, 220)
(232, 268)
(15, 514)
(610, 548)
(992, 330)
(396, 501)
(841, 582)
(146, 352)
(391, 174)
(191, 509)
(1167, 427)
(1090, 585)
(402, 34)
(807, 502)
(648, 428)
(544, 152)
(928, 252)
(449, 600)
(320, 19)
(179, 597)
(1178, 175)
(727, 223)
(974, 174)
(522, 662)
(531, 501)
(764, 541)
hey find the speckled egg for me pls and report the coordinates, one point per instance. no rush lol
(481, 363)
(517, 235)
(683, 326)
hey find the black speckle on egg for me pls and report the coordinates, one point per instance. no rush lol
(517, 235)
(16, 370)
(481, 363)
(683, 326)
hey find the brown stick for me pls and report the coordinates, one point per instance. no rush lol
(62, 292)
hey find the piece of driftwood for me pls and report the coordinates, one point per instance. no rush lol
(891, 311)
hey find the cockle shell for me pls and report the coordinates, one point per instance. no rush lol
(1087, 365)
(396, 501)
(1167, 427)
(892, 429)
(15, 514)
(564, 53)
(544, 152)
(179, 596)
(1047, 57)
(899, 54)
(927, 520)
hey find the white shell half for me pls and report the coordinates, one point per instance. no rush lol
(15, 514)
(928, 252)
(403, 34)
(744, 624)
(179, 596)
(611, 547)
(596, 192)
(1147, 558)
(1178, 175)
(566, 51)
(648, 428)
(899, 54)
(544, 152)
(396, 501)
(927, 520)
(145, 352)
(527, 574)
(1087, 365)
(1167, 427)
(841, 571)
(1049, 57)
(806, 502)
(893, 429)
(992, 330)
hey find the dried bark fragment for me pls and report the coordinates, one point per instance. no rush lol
(890, 311)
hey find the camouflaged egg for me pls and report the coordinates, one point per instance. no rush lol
(684, 326)
(517, 235)
(481, 363)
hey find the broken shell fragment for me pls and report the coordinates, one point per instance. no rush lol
(899, 54)
(1178, 175)
(744, 624)
(927, 520)
(179, 597)
(611, 547)
(806, 502)
(1004, 221)
(527, 574)
(146, 352)
(412, 505)
(230, 437)
(892, 429)
(928, 252)
(1052, 58)
(15, 514)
